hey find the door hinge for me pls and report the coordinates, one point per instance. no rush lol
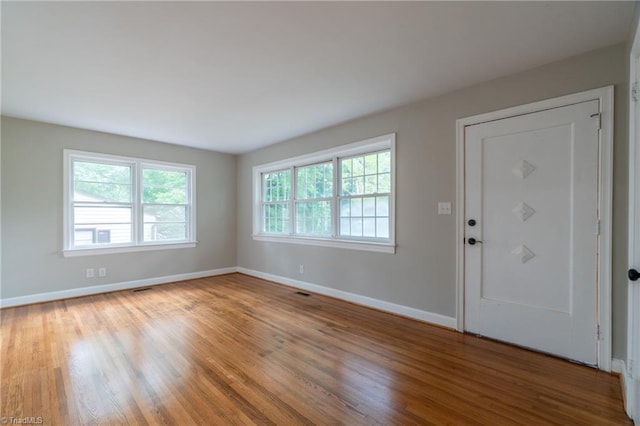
(598, 334)
(634, 92)
(598, 227)
(599, 115)
(630, 366)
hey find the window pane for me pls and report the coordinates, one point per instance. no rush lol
(367, 174)
(155, 213)
(370, 184)
(164, 186)
(101, 214)
(84, 236)
(102, 225)
(382, 206)
(345, 226)
(348, 187)
(313, 218)
(347, 168)
(382, 228)
(164, 196)
(371, 164)
(276, 186)
(358, 166)
(356, 207)
(101, 182)
(89, 234)
(102, 192)
(384, 162)
(369, 227)
(369, 207)
(345, 208)
(165, 231)
(356, 227)
(384, 182)
(314, 181)
(276, 218)
(98, 172)
(355, 186)
(369, 217)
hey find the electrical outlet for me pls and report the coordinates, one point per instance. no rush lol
(90, 273)
(301, 269)
(102, 272)
(444, 208)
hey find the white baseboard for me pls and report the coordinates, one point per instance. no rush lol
(406, 311)
(618, 366)
(106, 288)
(382, 305)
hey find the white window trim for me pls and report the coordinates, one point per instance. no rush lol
(137, 244)
(353, 149)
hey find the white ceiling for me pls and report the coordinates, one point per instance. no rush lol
(237, 76)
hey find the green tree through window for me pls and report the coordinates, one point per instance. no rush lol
(165, 204)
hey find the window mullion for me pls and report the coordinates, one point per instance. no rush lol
(335, 204)
(187, 210)
(292, 198)
(263, 211)
(71, 203)
(137, 213)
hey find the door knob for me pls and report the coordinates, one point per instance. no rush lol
(472, 241)
(634, 275)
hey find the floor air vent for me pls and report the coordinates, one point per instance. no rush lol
(302, 293)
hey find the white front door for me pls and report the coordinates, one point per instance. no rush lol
(531, 228)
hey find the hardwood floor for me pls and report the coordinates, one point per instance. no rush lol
(238, 350)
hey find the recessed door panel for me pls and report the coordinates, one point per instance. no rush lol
(525, 186)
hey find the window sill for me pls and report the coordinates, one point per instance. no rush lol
(93, 251)
(389, 248)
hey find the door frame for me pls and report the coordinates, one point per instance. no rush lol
(629, 373)
(605, 191)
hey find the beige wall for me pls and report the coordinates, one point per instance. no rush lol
(421, 274)
(32, 182)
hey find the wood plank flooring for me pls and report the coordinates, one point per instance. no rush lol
(238, 350)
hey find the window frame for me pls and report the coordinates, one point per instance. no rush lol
(263, 204)
(297, 200)
(340, 196)
(137, 166)
(368, 146)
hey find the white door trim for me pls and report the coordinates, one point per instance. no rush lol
(631, 377)
(605, 190)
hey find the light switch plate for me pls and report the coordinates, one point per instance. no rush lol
(444, 208)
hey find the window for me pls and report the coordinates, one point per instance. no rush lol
(276, 196)
(365, 189)
(342, 197)
(126, 204)
(314, 196)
